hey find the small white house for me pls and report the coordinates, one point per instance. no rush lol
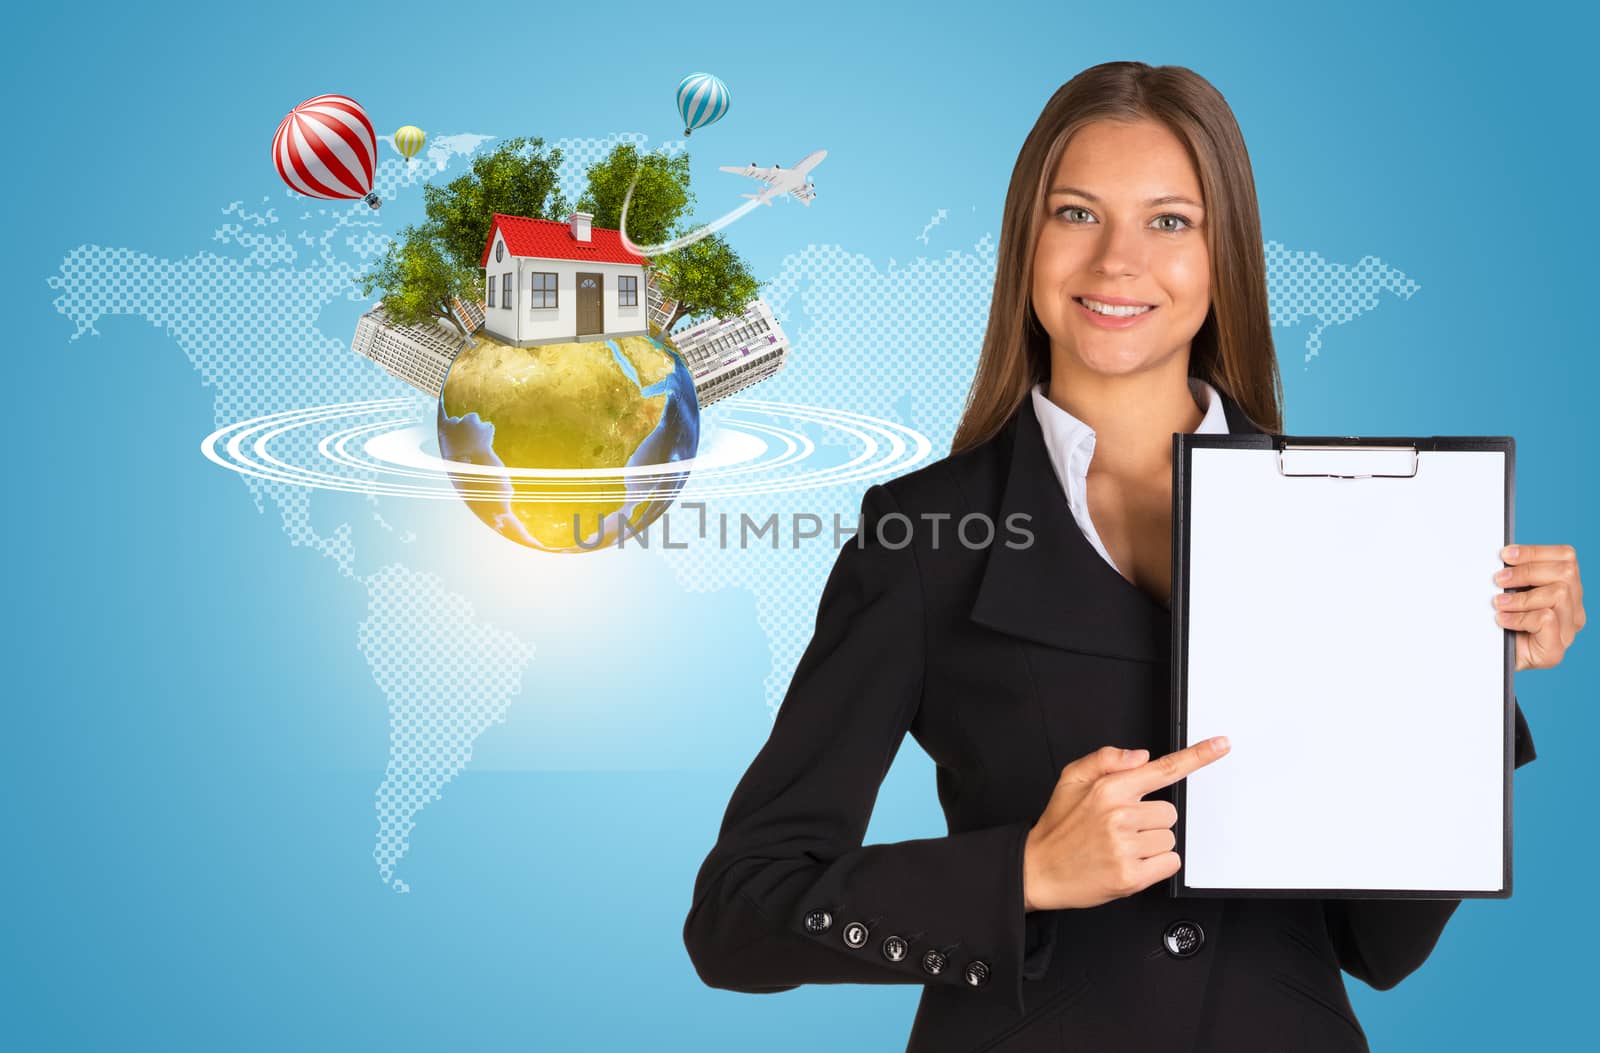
(549, 282)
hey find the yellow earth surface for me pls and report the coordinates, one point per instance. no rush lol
(626, 403)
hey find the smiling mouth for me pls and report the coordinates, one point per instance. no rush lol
(1112, 310)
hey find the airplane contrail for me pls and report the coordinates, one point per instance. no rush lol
(677, 243)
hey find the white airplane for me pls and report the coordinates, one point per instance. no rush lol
(782, 180)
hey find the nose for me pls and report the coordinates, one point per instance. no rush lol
(1120, 251)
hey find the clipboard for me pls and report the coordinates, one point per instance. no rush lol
(1332, 602)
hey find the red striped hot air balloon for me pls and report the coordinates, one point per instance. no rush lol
(326, 148)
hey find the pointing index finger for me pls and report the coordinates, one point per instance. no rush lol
(1166, 770)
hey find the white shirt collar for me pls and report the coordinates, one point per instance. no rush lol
(1064, 432)
(1070, 443)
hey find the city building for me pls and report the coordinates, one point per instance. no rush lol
(548, 281)
(725, 355)
(421, 354)
(660, 308)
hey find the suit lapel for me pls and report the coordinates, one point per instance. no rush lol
(1057, 590)
(1238, 423)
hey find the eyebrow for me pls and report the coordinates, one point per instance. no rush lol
(1166, 199)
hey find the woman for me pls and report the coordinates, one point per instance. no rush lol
(1006, 605)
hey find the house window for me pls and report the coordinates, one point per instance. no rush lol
(628, 291)
(491, 290)
(505, 289)
(544, 290)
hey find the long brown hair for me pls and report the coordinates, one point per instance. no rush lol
(1233, 349)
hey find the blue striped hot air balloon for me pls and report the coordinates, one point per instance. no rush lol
(702, 100)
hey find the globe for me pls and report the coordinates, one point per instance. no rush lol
(573, 436)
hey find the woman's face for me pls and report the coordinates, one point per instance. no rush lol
(1122, 227)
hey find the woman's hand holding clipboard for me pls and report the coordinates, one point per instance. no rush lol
(1546, 606)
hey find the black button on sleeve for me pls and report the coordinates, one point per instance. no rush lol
(1183, 939)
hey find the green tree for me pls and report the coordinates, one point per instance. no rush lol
(705, 277)
(660, 196)
(516, 178)
(419, 282)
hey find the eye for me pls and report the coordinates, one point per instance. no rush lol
(1073, 208)
(1173, 215)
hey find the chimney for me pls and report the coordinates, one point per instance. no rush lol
(580, 225)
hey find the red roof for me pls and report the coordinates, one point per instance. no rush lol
(551, 239)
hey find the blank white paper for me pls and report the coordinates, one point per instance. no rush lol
(1342, 634)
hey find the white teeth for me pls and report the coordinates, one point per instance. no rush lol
(1112, 309)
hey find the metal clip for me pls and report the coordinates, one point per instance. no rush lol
(1343, 456)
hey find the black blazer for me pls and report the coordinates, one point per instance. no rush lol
(1005, 663)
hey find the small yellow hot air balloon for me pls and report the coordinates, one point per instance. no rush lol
(408, 140)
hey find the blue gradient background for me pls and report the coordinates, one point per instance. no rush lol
(194, 738)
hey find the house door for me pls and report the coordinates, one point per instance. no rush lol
(591, 312)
